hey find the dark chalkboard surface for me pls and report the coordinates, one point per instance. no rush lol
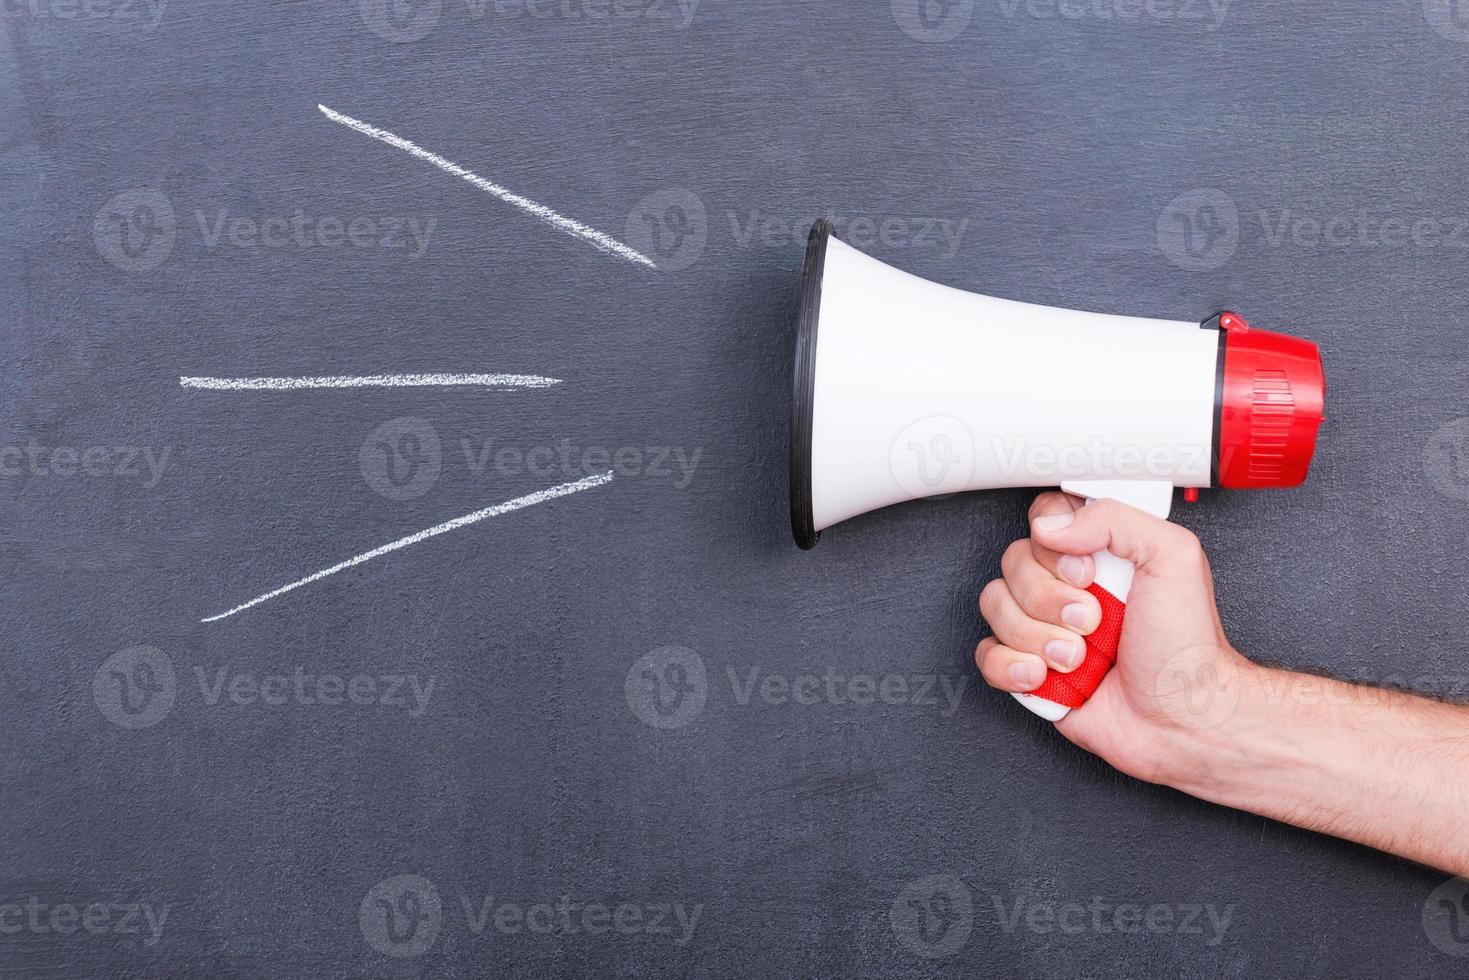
(448, 759)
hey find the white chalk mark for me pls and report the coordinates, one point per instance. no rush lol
(530, 500)
(371, 381)
(569, 225)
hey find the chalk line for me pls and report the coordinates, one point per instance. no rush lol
(370, 381)
(529, 500)
(569, 225)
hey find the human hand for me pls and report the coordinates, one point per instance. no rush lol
(1182, 707)
(1173, 660)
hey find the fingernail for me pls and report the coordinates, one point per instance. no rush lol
(1027, 673)
(1077, 616)
(1053, 522)
(1065, 654)
(1072, 569)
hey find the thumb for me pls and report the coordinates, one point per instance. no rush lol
(1150, 543)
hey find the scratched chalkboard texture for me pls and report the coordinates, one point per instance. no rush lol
(632, 731)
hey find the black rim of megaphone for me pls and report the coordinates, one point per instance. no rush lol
(803, 386)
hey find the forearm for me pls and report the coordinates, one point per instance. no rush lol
(1382, 768)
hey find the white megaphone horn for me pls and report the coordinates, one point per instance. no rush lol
(905, 388)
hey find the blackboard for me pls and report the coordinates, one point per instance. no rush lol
(443, 760)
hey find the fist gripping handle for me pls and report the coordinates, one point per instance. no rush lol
(1060, 692)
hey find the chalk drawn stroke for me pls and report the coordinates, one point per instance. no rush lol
(529, 500)
(369, 381)
(559, 221)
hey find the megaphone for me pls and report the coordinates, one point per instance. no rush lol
(905, 388)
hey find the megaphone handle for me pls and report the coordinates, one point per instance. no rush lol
(1059, 693)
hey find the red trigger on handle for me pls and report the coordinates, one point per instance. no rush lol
(1073, 689)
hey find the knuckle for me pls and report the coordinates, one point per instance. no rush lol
(1044, 502)
(1017, 552)
(990, 595)
(994, 671)
(1186, 543)
(1041, 596)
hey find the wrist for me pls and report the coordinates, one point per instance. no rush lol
(1379, 767)
(1302, 748)
(1241, 749)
